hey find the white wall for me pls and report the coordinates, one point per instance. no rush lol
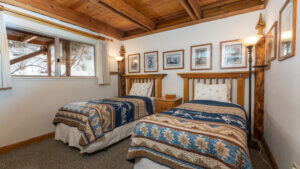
(28, 109)
(231, 28)
(282, 95)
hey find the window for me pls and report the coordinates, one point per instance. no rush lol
(77, 59)
(34, 55)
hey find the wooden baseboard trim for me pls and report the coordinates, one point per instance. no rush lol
(269, 153)
(25, 143)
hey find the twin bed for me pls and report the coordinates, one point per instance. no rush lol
(200, 133)
(93, 125)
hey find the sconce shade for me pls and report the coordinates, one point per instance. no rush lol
(119, 58)
(286, 36)
(250, 41)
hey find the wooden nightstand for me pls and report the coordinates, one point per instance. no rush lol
(162, 104)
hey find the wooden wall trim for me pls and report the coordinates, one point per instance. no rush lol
(113, 73)
(25, 142)
(269, 153)
(6, 88)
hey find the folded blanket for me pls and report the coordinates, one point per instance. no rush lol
(197, 134)
(94, 118)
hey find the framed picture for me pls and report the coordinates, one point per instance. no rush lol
(287, 30)
(271, 43)
(151, 61)
(201, 57)
(233, 55)
(134, 63)
(173, 59)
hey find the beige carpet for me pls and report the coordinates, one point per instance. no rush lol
(50, 154)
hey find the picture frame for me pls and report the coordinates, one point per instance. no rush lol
(201, 57)
(233, 55)
(134, 63)
(173, 59)
(151, 61)
(287, 30)
(271, 43)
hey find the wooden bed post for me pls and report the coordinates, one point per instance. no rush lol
(159, 87)
(259, 90)
(122, 84)
(186, 89)
(128, 85)
(240, 91)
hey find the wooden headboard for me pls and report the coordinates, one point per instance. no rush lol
(208, 78)
(155, 78)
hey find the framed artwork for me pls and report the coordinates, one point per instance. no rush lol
(271, 43)
(151, 61)
(201, 57)
(233, 55)
(287, 30)
(173, 59)
(134, 63)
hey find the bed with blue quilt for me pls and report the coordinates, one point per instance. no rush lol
(197, 134)
(94, 125)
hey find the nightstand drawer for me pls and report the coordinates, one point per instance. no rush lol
(163, 104)
(163, 107)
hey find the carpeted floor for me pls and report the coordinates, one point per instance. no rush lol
(50, 154)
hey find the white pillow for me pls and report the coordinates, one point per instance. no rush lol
(140, 89)
(150, 89)
(217, 92)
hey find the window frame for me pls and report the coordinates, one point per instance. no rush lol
(57, 54)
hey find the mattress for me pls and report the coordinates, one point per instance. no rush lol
(71, 135)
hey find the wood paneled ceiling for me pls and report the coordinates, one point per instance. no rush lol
(124, 19)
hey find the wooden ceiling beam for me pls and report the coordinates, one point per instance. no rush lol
(196, 8)
(225, 14)
(28, 56)
(188, 9)
(19, 39)
(57, 11)
(170, 17)
(217, 4)
(122, 8)
(28, 38)
(244, 4)
(207, 2)
(78, 4)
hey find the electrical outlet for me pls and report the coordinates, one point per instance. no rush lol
(295, 166)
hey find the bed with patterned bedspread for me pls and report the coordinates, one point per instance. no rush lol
(197, 134)
(95, 118)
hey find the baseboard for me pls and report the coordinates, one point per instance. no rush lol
(269, 153)
(25, 143)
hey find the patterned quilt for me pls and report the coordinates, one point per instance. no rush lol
(197, 134)
(94, 118)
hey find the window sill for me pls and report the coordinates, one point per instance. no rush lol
(53, 77)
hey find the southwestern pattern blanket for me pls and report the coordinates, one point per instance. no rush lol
(94, 118)
(197, 134)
